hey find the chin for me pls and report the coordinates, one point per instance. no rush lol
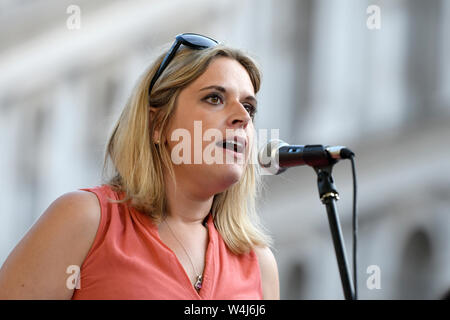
(227, 175)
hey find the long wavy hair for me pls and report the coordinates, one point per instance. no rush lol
(138, 162)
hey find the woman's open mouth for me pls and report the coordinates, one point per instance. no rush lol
(235, 145)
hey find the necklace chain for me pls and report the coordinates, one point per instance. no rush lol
(199, 279)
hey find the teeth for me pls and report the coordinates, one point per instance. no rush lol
(233, 145)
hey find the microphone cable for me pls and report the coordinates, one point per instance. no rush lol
(355, 228)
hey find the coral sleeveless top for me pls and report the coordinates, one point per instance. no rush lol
(128, 260)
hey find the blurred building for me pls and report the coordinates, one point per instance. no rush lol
(327, 78)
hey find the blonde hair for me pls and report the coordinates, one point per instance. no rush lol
(138, 162)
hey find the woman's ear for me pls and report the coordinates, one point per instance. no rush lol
(156, 132)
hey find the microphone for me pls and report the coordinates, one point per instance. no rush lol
(276, 156)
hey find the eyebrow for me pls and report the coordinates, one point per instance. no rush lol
(223, 90)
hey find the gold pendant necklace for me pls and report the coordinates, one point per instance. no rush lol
(199, 281)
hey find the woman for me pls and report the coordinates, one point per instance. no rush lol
(168, 225)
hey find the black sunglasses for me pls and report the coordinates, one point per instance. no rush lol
(192, 40)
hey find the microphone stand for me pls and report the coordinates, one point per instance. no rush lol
(329, 195)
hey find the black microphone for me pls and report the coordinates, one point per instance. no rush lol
(276, 156)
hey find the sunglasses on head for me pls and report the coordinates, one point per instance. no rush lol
(191, 40)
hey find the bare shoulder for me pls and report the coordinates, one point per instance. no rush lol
(83, 205)
(62, 236)
(76, 211)
(269, 273)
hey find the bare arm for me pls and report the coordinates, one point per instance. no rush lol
(62, 236)
(269, 273)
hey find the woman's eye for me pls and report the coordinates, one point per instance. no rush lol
(250, 109)
(213, 99)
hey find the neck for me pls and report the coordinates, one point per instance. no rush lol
(184, 205)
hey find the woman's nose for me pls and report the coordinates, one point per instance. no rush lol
(239, 117)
